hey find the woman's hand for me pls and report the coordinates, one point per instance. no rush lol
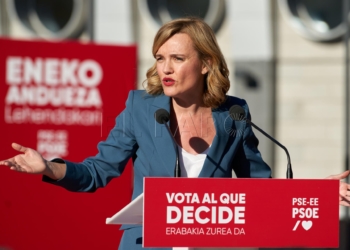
(344, 188)
(30, 161)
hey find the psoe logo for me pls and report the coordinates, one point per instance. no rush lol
(52, 143)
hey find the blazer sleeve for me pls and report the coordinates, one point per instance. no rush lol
(113, 155)
(248, 162)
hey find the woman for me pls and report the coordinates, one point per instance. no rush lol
(190, 80)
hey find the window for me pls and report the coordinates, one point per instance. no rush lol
(319, 20)
(51, 19)
(162, 11)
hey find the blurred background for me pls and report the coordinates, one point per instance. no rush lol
(287, 58)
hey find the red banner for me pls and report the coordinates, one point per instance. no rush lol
(212, 212)
(60, 99)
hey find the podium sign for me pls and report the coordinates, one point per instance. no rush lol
(222, 212)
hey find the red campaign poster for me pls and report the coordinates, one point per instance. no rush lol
(226, 212)
(60, 98)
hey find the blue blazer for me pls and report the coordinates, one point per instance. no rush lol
(138, 136)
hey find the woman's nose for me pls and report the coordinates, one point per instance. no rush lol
(167, 68)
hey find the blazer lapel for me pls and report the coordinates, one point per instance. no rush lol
(225, 129)
(161, 138)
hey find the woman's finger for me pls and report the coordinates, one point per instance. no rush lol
(17, 168)
(19, 148)
(344, 203)
(8, 163)
(339, 176)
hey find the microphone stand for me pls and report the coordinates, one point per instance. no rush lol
(289, 165)
(237, 113)
(162, 116)
(177, 170)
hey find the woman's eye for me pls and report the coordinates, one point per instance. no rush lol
(179, 59)
(159, 59)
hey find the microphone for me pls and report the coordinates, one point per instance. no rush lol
(162, 117)
(237, 113)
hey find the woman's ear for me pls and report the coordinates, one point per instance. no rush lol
(206, 66)
(204, 70)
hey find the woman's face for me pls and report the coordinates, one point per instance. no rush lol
(180, 69)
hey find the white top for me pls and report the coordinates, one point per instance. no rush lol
(190, 164)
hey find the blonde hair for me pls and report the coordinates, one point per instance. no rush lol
(204, 41)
